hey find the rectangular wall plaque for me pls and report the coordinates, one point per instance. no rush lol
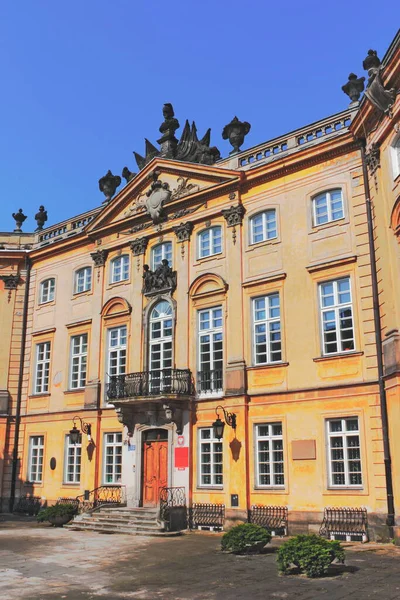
(304, 450)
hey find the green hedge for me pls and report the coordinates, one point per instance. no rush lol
(309, 553)
(58, 510)
(245, 539)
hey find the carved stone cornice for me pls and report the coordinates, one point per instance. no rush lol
(10, 281)
(139, 246)
(154, 414)
(99, 257)
(183, 231)
(234, 215)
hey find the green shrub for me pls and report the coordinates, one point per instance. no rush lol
(309, 553)
(245, 538)
(58, 510)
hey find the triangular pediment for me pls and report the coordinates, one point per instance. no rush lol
(179, 182)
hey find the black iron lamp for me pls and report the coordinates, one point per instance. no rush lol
(218, 425)
(74, 433)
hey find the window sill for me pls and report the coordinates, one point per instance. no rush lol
(49, 303)
(322, 226)
(275, 490)
(80, 294)
(345, 491)
(44, 395)
(255, 245)
(113, 284)
(268, 366)
(202, 259)
(214, 488)
(71, 485)
(75, 391)
(35, 483)
(210, 395)
(338, 355)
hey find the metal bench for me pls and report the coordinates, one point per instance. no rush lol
(346, 524)
(273, 518)
(207, 516)
(29, 505)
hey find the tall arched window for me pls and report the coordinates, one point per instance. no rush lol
(160, 347)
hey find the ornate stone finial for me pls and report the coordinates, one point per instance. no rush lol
(183, 231)
(40, 218)
(99, 257)
(108, 185)
(127, 174)
(234, 215)
(139, 246)
(162, 280)
(19, 218)
(381, 98)
(236, 131)
(354, 87)
(168, 141)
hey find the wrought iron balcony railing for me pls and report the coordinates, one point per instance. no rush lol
(209, 381)
(150, 383)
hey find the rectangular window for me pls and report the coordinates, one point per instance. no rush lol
(72, 465)
(263, 226)
(210, 241)
(267, 329)
(112, 458)
(47, 290)
(42, 370)
(336, 316)
(210, 350)
(269, 455)
(120, 268)
(79, 348)
(162, 252)
(83, 280)
(328, 207)
(344, 452)
(117, 351)
(35, 463)
(211, 467)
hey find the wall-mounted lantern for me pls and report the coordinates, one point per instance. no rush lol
(218, 425)
(75, 433)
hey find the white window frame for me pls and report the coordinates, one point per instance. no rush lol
(214, 236)
(267, 234)
(78, 358)
(74, 452)
(395, 156)
(336, 308)
(162, 346)
(119, 268)
(166, 254)
(270, 322)
(42, 368)
(273, 439)
(214, 475)
(35, 459)
(120, 351)
(329, 202)
(83, 280)
(216, 383)
(113, 446)
(47, 290)
(344, 434)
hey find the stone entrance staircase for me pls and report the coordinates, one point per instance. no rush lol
(135, 521)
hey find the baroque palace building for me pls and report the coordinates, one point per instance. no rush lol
(262, 289)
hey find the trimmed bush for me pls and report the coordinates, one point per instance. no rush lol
(245, 539)
(57, 512)
(309, 553)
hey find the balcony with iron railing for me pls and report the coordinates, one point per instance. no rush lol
(151, 384)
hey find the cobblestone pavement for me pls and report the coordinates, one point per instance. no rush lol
(45, 563)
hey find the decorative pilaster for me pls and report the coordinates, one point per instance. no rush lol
(373, 158)
(139, 246)
(183, 233)
(99, 257)
(10, 283)
(234, 216)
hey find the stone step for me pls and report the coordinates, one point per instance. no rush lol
(82, 526)
(129, 512)
(134, 521)
(117, 524)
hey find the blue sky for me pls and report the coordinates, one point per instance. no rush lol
(84, 81)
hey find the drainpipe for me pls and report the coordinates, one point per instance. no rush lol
(20, 382)
(390, 521)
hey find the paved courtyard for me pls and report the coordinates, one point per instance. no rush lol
(40, 562)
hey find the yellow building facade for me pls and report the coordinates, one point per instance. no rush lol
(243, 287)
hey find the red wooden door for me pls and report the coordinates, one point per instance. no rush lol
(155, 470)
